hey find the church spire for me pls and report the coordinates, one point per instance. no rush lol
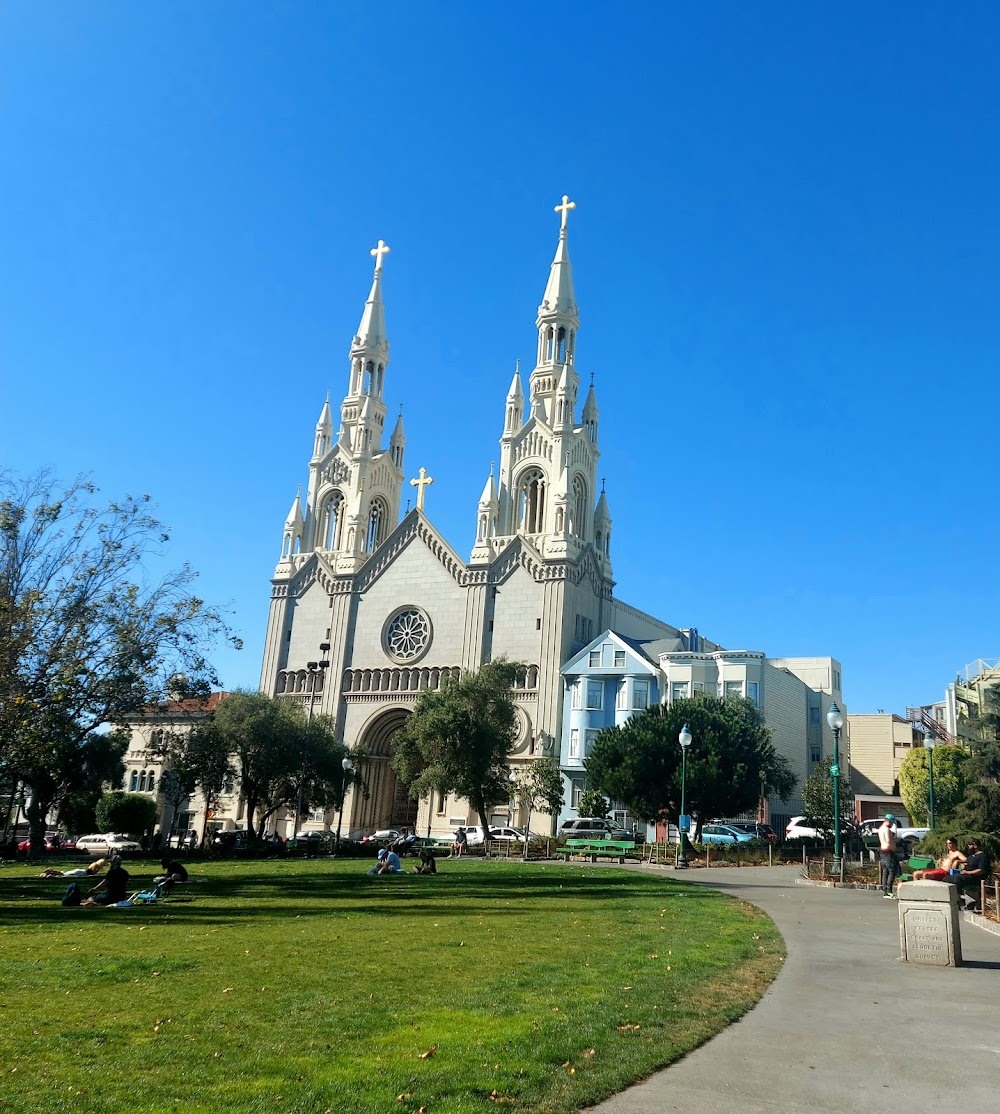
(559, 298)
(557, 323)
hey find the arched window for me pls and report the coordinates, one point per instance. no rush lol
(561, 345)
(333, 521)
(579, 523)
(377, 516)
(142, 782)
(151, 784)
(133, 783)
(369, 371)
(531, 501)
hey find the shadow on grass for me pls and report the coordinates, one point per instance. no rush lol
(245, 895)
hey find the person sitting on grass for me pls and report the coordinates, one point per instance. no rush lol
(114, 886)
(78, 872)
(388, 863)
(428, 864)
(172, 872)
(951, 860)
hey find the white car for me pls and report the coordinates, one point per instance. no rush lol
(797, 828)
(500, 834)
(104, 844)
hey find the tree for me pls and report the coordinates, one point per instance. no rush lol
(538, 786)
(276, 752)
(87, 636)
(639, 763)
(458, 739)
(949, 782)
(593, 803)
(131, 813)
(980, 809)
(817, 800)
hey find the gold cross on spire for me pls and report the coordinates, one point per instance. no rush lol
(564, 208)
(382, 249)
(421, 485)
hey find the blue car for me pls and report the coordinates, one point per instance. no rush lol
(723, 833)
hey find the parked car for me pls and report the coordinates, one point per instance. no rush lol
(105, 843)
(383, 835)
(597, 827)
(178, 840)
(724, 833)
(904, 835)
(755, 830)
(500, 833)
(54, 841)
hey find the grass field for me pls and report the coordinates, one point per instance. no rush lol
(307, 986)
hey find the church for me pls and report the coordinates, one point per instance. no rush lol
(368, 609)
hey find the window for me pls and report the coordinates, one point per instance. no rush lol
(678, 691)
(595, 659)
(574, 742)
(836, 680)
(589, 738)
(142, 782)
(151, 784)
(815, 753)
(595, 695)
(134, 781)
(814, 715)
(377, 517)
(531, 502)
(619, 659)
(698, 686)
(577, 694)
(640, 694)
(578, 523)
(575, 794)
(734, 688)
(333, 521)
(621, 696)
(753, 691)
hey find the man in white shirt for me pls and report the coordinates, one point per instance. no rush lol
(888, 863)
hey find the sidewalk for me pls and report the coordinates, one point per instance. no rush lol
(847, 1026)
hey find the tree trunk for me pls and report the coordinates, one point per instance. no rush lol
(36, 811)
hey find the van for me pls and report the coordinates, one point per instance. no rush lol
(594, 827)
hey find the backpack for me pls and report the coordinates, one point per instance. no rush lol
(72, 895)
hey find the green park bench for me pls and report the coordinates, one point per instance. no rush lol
(595, 849)
(917, 862)
(435, 844)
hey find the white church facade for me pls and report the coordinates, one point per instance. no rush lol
(394, 609)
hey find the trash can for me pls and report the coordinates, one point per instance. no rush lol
(929, 924)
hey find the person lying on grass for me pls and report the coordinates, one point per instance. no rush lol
(78, 872)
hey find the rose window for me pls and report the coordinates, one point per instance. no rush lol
(407, 635)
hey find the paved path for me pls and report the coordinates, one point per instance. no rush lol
(847, 1026)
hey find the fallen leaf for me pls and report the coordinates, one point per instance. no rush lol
(404, 1096)
(228, 990)
(429, 1053)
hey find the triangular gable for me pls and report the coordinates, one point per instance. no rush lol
(636, 660)
(414, 528)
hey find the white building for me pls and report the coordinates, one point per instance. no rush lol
(613, 677)
(401, 609)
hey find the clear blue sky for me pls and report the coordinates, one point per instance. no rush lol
(785, 252)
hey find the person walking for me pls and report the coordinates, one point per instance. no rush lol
(888, 862)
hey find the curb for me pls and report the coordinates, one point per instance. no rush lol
(837, 885)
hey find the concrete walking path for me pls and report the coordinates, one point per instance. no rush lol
(847, 1026)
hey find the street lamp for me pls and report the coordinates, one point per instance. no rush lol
(316, 670)
(930, 742)
(684, 738)
(835, 718)
(347, 765)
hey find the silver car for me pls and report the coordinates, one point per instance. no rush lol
(106, 843)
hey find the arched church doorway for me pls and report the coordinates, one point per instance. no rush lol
(380, 798)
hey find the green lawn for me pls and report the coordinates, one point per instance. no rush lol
(307, 986)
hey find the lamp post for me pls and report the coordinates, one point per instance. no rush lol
(835, 718)
(930, 742)
(347, 765)
(316, 669)
(684, 738)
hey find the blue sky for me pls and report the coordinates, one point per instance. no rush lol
(785, 254)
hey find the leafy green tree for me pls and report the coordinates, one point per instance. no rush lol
(593, 803)
(275, 752)
(639, 763)
(131, 813)
(538, 786)
(458, 739)
(949, 782)
(87, 636)
(979, 811)
(817, 800)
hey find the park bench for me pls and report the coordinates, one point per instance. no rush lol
(595, 849)
(917, 862)
(437, 845)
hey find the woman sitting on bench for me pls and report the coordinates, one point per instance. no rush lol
(951, 860)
